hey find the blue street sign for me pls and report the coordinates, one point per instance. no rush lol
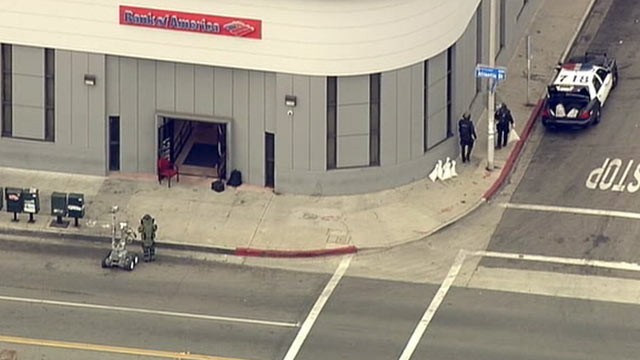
(497, 73)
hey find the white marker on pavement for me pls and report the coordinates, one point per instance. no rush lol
(317, 308)
(573, 210)
(433, 307)
(147, 311)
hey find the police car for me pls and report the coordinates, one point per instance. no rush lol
(579, 91)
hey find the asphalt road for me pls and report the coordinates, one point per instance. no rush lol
(595, 169)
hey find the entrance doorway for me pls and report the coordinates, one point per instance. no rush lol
(199, 148)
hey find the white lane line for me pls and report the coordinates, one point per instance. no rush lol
(317, 308)
(433, 307)
(573, 210)
(148, 311)
(617, 265)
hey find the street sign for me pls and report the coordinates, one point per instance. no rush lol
(497, 73)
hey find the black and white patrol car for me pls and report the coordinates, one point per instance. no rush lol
(579, 91)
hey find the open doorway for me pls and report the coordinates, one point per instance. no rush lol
(199, 148)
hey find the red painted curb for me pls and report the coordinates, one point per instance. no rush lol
(515, 153)
(295, 253)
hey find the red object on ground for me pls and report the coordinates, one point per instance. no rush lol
(166, 169)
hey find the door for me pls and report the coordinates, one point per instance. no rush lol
(222, 151)
(269, 160)
(165, 139)
(114, 143)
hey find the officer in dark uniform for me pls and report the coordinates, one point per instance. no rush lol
(467, 133)
(504, 122)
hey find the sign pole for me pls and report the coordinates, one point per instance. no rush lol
(492, 83)
(528, 66)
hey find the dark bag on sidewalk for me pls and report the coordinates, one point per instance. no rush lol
(235, 179)
(217, 186)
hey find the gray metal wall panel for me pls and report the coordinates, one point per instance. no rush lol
(353, 119)
(403, 115)
(223, 92)
(353, 150)
(97, 122)
(464, 82)
(437, 99)
(317, 123)
(113, 85)
(417, 111)
(79, 100)
(300, 124)
(63, 103)
(388, 122)
(28, 122)
(129, 114)
(165, 86)
(203, 90)
(28, 90)
(284, 136)
(185, 88)
(256, 127)
(147, 128)
(27, 60)
(270, 102)
(240, 145)
(353, 89)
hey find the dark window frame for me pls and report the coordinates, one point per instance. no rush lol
(479, 44)
(450, 60)
(503, 24)
(425, 107)
(7, 96)
(374, 119)
(332, 122)
(50, 91)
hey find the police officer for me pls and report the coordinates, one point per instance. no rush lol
(467, 133)
(147, 230)
(504, 122)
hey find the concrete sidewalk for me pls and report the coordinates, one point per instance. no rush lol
(255, 221)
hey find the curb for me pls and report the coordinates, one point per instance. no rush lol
(515, 153)
(241, 251)
(249, 252)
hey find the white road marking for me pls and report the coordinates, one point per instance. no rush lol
(557, 284)
(573, 210)
(317, 308)
(148, 311)
(433, 307)
(617, 265)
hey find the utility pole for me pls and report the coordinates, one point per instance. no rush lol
(492, 87)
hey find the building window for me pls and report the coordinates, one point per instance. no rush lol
(374, 119)
(425, 106)
(449, 85)
(503, 23)
(7, 111)
(49, 91)
(479, 34)
(332, 121)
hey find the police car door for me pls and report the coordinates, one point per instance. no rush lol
(606, 79)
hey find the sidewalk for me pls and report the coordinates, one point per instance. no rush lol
(255, 221)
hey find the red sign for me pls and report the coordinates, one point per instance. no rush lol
(198, 23)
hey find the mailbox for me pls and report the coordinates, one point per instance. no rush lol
(75, 206)
(31, 202)
(59, 206)
(13, 197)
